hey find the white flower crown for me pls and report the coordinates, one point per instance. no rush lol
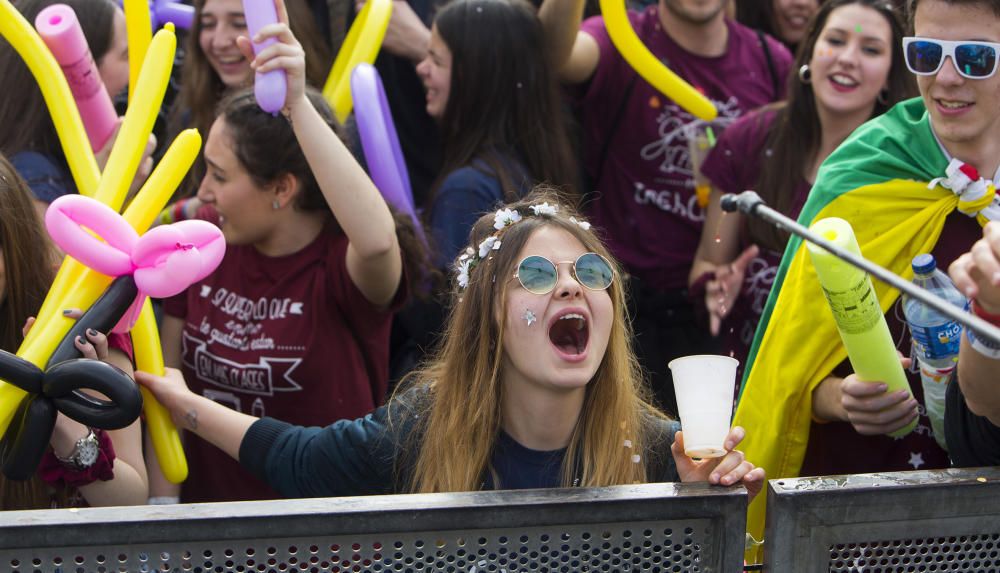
(502, 219)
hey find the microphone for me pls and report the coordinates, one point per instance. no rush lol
(749, 202)
(746, 202)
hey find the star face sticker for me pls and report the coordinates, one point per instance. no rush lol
(916, 460)
(529, 316)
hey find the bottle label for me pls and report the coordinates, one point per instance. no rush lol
(935, 342)
(856, 309)
(929, 375)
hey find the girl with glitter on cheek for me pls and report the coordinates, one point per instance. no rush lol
(535, 385)
(554, 341)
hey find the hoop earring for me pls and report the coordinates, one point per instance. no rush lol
(883, 97)
(805, 74)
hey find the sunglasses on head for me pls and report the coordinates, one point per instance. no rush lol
(539, 275)
(973, 60)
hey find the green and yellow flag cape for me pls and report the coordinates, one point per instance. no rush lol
(878, 181)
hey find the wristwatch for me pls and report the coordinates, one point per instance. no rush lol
(84, 453)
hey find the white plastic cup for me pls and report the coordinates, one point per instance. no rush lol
(704, 385)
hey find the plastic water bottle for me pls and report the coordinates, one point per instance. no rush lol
(936, 337)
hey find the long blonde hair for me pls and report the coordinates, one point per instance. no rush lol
(460, 421)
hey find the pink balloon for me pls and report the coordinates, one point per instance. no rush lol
(60, 30)
(67, 219)
(170, 258)
(163, 262)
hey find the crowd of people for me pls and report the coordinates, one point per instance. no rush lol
(572, 249)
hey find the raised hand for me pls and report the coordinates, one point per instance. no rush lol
(977, 273)
(287, 54)
(721, 292)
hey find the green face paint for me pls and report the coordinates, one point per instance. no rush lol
(857, 28)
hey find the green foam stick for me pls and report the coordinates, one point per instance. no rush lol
(856, 311)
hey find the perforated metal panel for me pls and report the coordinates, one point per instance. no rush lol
(905, 522)
(959, 553)
(640, 547)
(577, 530)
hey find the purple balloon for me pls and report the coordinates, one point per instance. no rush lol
(380, 142)
(162, 11)
(270, 88)
(180, 15)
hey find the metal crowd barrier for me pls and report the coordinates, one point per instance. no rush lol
(921, 521)
(677, 528)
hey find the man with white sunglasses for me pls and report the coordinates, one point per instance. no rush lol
(917, 179)
(954, 56)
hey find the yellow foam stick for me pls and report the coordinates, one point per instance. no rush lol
(162, 431)
(87, 285)
(139, 119)
(139, 28)
(856, 311)
(646, 65)
(58, 97)
(361, 45)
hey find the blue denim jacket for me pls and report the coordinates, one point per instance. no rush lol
(47, 177)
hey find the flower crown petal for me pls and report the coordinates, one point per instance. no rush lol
(545, 209)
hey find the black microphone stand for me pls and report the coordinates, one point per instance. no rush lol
(750, 203)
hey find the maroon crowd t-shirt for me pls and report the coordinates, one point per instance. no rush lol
(645, 199)
(289, 337)
(733, 166)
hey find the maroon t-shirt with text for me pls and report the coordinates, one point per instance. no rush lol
(645, 198)
(289, 337)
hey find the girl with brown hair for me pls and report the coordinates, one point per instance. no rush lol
(850, 69)
(497, 103)
(313, 271)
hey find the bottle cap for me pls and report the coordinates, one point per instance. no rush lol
(924, 264)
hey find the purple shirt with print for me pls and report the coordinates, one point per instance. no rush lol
(645, 200)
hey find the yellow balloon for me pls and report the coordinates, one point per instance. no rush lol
(141, 213)
(139, 119)
(77, 286)
(162, 431)
(139, 28)
(58, 97)
(651, 69)
(361, 45)
(163, 181)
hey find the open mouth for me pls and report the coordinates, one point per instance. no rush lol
(797, 20)
(570, 334)
(953, 105)
(230, 64)
(844, 81)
